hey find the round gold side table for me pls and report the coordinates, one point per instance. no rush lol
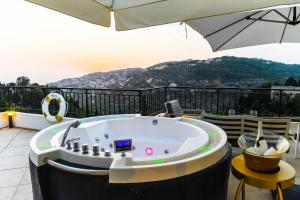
(278, 181)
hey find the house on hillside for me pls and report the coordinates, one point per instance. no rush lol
(285, 90)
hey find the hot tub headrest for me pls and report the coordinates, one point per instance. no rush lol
(173, 108)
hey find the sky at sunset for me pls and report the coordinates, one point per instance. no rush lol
(48, 46)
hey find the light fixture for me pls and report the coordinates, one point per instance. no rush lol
(149, 151)
(10, 115)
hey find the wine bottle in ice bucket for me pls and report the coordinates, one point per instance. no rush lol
(261, 145)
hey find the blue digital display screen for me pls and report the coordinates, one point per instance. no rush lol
(123, 145)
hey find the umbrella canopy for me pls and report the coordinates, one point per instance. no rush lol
(274, 25)
(131, 14)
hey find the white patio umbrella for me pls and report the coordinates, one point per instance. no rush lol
(131, 14)
(273, 25)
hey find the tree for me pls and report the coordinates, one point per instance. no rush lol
(11, 84)
(266, 85)
(23, 81)
(34, 85)
(291, 82)
(269, 84)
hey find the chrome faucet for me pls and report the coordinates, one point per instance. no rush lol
(70, 141)
(73, 125)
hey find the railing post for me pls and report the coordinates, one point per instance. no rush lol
(44, 91)
(87, 103)
(165, 94)
(218, 101)
(9, 98)
(142, 103)
(280, 102)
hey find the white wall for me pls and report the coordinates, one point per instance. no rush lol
(32, 121)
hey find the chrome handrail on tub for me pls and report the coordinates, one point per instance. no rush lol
(76, 170)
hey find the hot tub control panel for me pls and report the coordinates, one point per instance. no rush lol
(95, 149)
(120, 146)
(123, 145)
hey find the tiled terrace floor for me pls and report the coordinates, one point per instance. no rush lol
(15, 181)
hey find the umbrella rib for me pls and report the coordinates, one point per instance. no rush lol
(241, 31)
(268, 20)
(284, 17)
(287, 21)
(277, 21)
(229, 25)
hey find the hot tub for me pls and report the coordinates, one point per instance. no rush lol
(169, 158)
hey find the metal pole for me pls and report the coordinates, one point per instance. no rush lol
(140, 102)
(165, 94)
(217, 101)
(280, 102)
(8, 96)
(86, 103)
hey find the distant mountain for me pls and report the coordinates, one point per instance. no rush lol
(112, 79)
(223, 71)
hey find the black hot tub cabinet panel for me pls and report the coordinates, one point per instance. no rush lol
(211, 183)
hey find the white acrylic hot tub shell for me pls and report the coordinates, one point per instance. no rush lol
(121, 172)
(132, 169)
(169, 134)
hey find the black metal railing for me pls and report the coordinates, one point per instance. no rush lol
(84, 102)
